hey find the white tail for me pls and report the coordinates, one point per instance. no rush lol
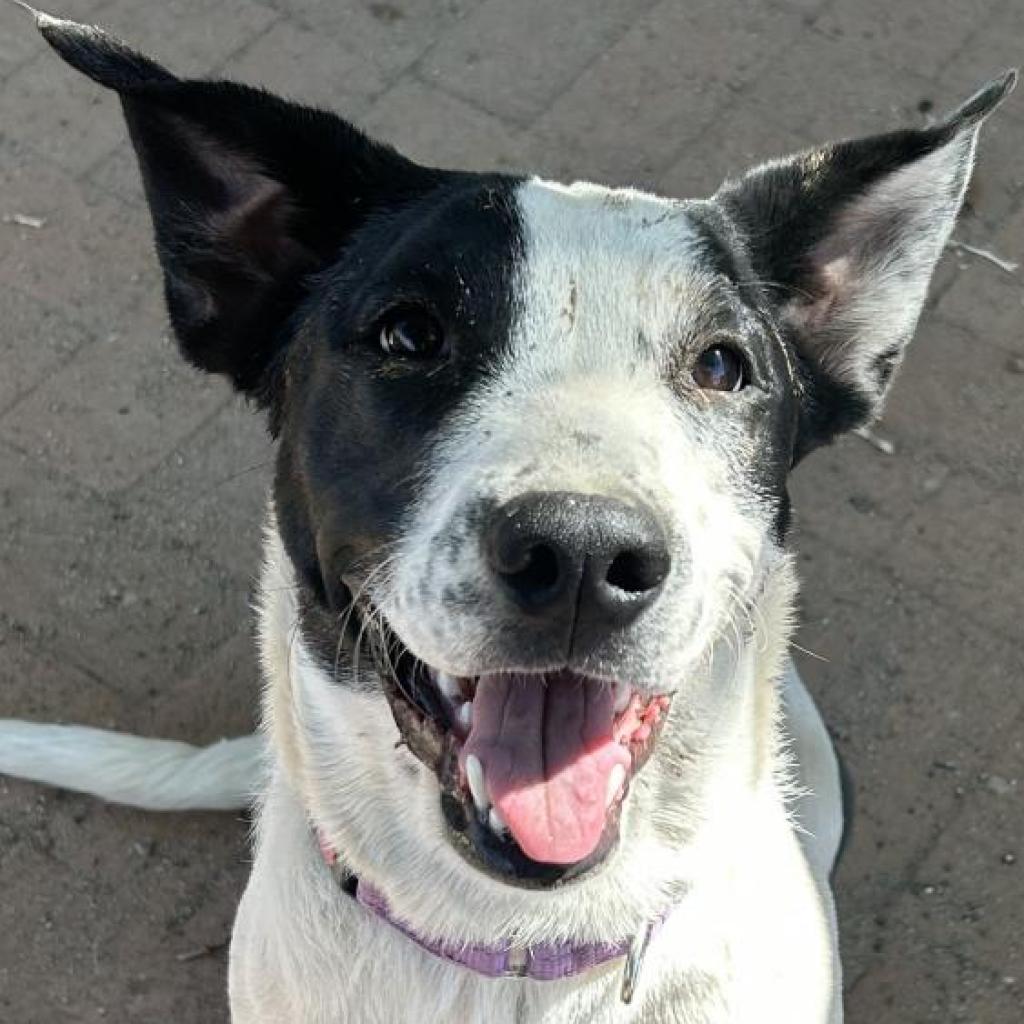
(156, 775)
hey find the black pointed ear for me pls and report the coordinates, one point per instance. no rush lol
(250, 195)
(846, 238)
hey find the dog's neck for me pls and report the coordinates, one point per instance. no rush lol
(543, 962)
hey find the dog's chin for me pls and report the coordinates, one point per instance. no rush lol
(437, 717)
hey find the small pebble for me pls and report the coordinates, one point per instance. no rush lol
(998, 785)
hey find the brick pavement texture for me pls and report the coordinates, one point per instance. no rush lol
(131, 490)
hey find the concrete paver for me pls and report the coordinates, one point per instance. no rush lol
(217, 476)
(88, 127)
(656, 89)
(35, 340)
(471, 137)
(990, 305)
(112, 589)
(950, 948)
(392, 33)
(183, 31)
(92, 257)
(109, 429)
(345, 79)
(491, 58)
(924, 35)
(909, 684)
(17, 46)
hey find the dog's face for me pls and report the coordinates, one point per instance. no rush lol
(534, 442)
(541, 435)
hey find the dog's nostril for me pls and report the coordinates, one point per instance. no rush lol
(539, 574)
(635, 572)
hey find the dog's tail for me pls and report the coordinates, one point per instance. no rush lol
(155, 775)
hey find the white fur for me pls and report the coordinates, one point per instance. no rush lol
(156, 775)
(818, 808)
(752, 940)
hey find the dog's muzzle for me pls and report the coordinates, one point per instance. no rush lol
(534, 764)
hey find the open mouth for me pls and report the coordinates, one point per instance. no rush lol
(533, 767)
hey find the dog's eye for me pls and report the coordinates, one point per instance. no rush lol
(412, 334)
(720, 368)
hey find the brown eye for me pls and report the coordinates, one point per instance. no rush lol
(412, 334)
(720, 368)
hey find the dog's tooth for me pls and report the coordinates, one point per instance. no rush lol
(615, 781)
(496, 821)
(449, 686)
(464, 716)
(622, 694)
(477, 784)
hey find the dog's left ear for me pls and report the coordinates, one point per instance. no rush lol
(845, 239)
(250, 197)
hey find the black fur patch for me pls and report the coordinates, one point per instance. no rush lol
(357, 427)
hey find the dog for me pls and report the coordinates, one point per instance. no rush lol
(533, 749)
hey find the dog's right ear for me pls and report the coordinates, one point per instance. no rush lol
(846, 238)
(250, 196)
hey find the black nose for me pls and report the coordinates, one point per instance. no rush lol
(591, 560)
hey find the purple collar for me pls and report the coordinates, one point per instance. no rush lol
(542, 962)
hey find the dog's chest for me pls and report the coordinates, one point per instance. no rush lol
(360, 970)
(304, 951)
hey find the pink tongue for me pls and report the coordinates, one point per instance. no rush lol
(547, 750)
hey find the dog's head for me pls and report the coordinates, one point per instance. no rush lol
(533, 449)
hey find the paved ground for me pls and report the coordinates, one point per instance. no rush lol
(130, 490)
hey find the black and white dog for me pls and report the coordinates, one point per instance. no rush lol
(533, 747)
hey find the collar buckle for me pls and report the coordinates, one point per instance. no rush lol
(518, 963)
